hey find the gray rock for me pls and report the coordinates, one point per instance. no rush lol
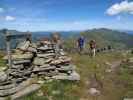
(73, 77)
(7, 92)
(130, 67)
(20, 56)
(21, 62)
(45, 48)
(49, 60)
(3, 98)
(94, 92)
(66, 68)
(48, 74)
(26, 91)
(48, 55)
(31, 49)
(39, 61)
(5, 82)
(62, 53)
(50, 63)
(24, 45)
(16, 89)
(8, 86)
(61, 60)
(20, 66)
(3, 76)
(40, 69)
(131, 60)
(45, 66)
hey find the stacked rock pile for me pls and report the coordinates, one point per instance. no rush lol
(42, 60)
(54, 64)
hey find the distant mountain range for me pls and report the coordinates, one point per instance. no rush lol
(103, 36)
(128, 31)
(65, 35)
(35, 36)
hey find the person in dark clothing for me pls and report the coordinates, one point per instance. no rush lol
(109, 47)
(93, 47)
(81, 43)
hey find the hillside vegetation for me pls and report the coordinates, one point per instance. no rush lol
(115, 86)
(106, 37)
(103, 37)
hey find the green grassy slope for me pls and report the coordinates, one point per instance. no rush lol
(114, 87)
(106, 37)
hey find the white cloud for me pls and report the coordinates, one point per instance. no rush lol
(9, 18)
(76, 23)
(123, 7)
(1, 10)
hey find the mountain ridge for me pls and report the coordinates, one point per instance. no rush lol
(110, 37)
(103, 36)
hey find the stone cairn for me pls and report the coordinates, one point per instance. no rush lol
(32, 60)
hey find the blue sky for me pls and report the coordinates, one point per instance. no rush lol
(65, 15)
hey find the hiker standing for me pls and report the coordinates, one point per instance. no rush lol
(80, 44)
(93, 47)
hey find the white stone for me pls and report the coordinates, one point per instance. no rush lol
(3, 76)
(94, 92)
